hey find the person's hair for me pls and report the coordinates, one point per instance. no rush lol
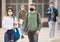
(21, 5)
(51, 2)
(32, 4)
(11, 9)
(19, 15)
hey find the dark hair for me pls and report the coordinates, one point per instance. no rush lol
(11, 9)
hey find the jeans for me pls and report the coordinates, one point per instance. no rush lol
(33, 37)
(21, 29)
(51, 29)
(9, 36)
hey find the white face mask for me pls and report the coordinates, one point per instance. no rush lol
(22, 8)
(10, 13)
(51, 5)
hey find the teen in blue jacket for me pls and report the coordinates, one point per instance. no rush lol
(52, 13)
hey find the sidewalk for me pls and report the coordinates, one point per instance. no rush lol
(43, 37)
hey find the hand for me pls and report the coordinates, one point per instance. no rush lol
(48, 12)
(21, 21)
(37, 32)
(19, 25)
(52, 16)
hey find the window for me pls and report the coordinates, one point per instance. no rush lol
(38, 6)
(45, 9)
(46, 1)
(25, 1)
(39, 9)
(20, 1)
(11, 1)
(16, 4)
(37, 1)
(7, 1)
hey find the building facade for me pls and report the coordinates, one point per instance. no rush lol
(41, 6)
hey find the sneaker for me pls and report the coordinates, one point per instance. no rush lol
(51, 39)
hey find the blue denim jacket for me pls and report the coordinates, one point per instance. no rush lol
(49, 15)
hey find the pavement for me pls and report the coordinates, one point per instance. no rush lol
(43, 37)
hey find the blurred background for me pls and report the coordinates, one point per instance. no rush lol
(41, 7)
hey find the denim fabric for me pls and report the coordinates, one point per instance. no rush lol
(51, 29)
(9, 36)
(22, 28)
(33, 37)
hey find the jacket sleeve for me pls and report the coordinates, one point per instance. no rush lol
(48, 11)
(39, 21)
(56, 12)
(25, 22)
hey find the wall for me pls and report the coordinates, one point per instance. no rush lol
(0, 13)
(58, 15)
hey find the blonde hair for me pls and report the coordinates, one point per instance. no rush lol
(51, 2)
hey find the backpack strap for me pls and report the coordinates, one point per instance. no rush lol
(13, 21)
(14, 18)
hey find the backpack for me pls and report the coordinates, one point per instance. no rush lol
(16, 32)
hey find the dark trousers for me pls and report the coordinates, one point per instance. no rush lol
(9, 36)
(33, 37)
